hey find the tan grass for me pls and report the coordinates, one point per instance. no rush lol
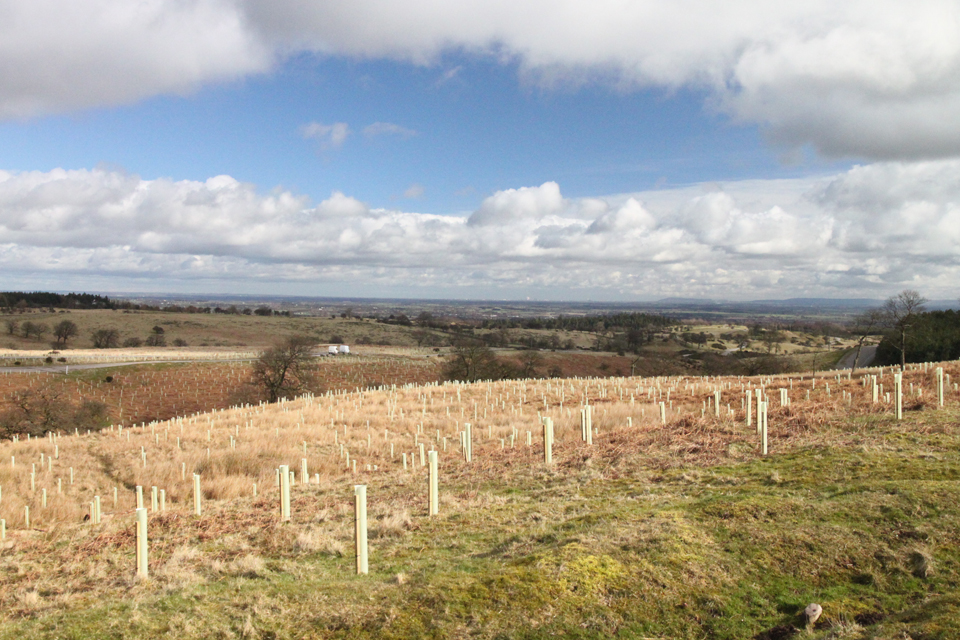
(238, 530)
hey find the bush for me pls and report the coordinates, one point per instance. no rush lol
(180, 342)
(132, 343)
(40, 410)
(105, 339)
(156, 340)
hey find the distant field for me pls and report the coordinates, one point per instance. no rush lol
(206, 330)
(141, 393)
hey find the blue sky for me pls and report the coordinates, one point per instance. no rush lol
(478, 127)
(496, 150)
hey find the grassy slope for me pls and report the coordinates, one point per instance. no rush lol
(863, 519)
(205, 329)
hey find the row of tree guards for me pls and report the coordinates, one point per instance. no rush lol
(285, 477)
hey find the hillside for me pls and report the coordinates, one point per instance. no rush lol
(676, 530)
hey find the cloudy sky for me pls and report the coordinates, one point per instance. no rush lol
(602, 150)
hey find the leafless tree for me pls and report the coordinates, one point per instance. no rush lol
(530, 363)
(64, 330)
(899, 312)
(105, 339)
(863, 326)
(283, 370)
(45, 408)
(472, 360)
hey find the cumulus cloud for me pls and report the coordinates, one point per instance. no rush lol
(57, 55)
(388, 129)
(517, 206)
(874, 78)
(330, 136)
(872, 230)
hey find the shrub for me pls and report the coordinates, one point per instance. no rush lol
(156, 340)
(105, 339)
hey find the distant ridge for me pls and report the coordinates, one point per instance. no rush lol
(697, 301)
(820, 302)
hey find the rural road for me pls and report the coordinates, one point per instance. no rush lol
(867, 354)
(61, 368)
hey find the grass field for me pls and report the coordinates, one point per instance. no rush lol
(206, 330)
(680, 530)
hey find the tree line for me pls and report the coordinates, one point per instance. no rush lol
(12, 301)
(909, 332)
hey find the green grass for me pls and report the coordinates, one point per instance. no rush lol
(869, 530)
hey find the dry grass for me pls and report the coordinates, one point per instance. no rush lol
(64, 561)
(148, 393)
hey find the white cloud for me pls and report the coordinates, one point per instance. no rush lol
(872, 230)
(57, 55)
(330, 136)
(876, 78)
(388, 129)
(515, 206)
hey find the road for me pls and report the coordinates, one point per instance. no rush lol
(867, 354)
(62, 368)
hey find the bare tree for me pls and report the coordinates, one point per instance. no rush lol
(283, 369)
(530, 363)
(471, 360)
(64, 330)
(105, 339)
(34, 329)
(45, 408)
(35, 411)
(863, 326)
(899, 311)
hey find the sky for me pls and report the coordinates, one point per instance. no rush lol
(604, 150)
